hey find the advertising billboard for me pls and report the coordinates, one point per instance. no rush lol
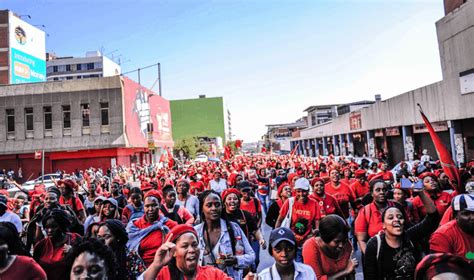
(142, 108)
(27, 52)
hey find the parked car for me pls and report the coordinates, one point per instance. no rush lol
(29, 185)
(201, 158)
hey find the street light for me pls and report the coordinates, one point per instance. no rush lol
(28, 16)
(40, 25)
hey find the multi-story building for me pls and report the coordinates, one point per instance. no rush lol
(278, 136)
(321, 113)
(98, 122)
(394, 126)
(93, 65)
(205, 118)
(22, 51)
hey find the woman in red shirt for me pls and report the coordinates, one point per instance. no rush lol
(431, 187)
(329, 254)
(178, 258)
(341, 192)
(327, 203)
(50, 252)
(14, 260)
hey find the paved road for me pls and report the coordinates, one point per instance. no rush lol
(266, 260)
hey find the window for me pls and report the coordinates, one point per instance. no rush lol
(66, 116)
(29, 119)
(79, 67)
(85, 111)
(55, 68)
(79, 77)
(90, 66)
(10, 120)
(68, 67)
(69, 78)
(56, 79)
(104, 113)
(48, 118)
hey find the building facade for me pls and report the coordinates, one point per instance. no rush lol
(395, 126)
(98, 122)
(205, 118)
(93, 65)
(278, 136)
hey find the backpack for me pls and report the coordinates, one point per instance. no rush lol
(173, 215)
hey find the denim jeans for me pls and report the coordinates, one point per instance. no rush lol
(256, 248)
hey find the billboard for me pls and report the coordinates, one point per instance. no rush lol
(142, 108)
(27, 52)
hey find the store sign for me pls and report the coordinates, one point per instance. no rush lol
(437, 126)
(466, 81)
(38, 154)
(27, 52)
(392, 131)
(355, 120)
(378, 133)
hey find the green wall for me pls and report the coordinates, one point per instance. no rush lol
(200, 117)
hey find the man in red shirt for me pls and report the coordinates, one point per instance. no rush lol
(360, 187)
(147, 233)
(457, 236)
(431, 187)
(196, 187)
(305, 215)
(341, 192)
(327, 203)
(68, 198)
(249, 203)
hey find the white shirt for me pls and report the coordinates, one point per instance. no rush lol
(302, 272)
(218, 186)
(12, 218)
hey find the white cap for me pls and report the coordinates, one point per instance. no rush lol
(302, 184)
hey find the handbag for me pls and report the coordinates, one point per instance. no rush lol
(287, 220)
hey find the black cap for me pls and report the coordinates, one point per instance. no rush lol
(245, 185)
(282, 234)
(3, 201)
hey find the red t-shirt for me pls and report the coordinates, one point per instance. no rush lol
(249, 206)
(442, 201)
(343, 195)
(369, 219)
(327, 205)
(448, 216)
(152, 241)
(78, 204)
(196, 187)
(25, 268)
(203, 273)
(323, 265)
(360, 190)
(305, 214)
(450, 238)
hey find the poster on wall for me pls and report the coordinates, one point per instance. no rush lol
(27, 52)
(355, 120)
(142, 108)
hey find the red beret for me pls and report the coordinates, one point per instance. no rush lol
(435, 264)
(316, 179)
(179, 230)
(373, 177)
(360, 173)
(280, 188)
(428, 174)
(68, 183)
(229, 191)
(154, 193)
(145, 186)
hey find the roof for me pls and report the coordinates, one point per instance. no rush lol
(311, 108)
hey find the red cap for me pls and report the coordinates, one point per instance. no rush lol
(229, 191)
(360, 173)
(154, 193)
(145, 186)
(428, 174)
(179, 230)
(373, 177)
(316, 179)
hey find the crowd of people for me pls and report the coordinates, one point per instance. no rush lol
(205, 220)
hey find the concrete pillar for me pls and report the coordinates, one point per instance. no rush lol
(312, 145)
(300, 147)
(342, 147)
(457, 143)
(350, 145)
(371, 144)
(325, 146)
(335, 145)
(305, 145)
(408, 142)
(316, 146)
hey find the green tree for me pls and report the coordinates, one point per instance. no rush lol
(190, 146)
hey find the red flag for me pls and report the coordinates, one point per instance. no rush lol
(447, 163)
(294, 150)
(227, 152)
(170, 158)
(162, 158)
(238, 144)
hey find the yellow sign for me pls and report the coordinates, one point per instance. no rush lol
(151, 145)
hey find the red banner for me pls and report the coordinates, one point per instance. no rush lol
(142, 107)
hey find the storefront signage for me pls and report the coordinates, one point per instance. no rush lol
(392, 131)
(378, 133)
(438, 126)
(355, 120)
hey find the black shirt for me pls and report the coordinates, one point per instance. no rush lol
(245, 220)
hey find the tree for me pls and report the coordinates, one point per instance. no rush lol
(190, 146)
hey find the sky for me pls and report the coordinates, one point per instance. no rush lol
(269, 59)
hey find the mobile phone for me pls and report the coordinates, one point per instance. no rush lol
(407, 184)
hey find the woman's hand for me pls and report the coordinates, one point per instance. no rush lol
(164, 254)
(263, 243)
(351, 265)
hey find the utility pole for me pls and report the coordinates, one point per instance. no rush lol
(159, 77)
(42, 166)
